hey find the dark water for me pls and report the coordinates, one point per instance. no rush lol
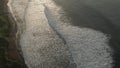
(101, 15)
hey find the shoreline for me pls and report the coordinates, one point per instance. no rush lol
(13, 51)
(72, 33)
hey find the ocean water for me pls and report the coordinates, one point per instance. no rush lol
(100, 15)
(52, 37)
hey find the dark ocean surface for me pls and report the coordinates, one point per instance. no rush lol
(101, 15)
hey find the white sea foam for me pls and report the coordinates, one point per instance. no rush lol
(43, 48)
(89, 47)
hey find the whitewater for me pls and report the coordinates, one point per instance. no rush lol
(48, 42)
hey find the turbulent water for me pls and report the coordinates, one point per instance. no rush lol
(48, 42)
